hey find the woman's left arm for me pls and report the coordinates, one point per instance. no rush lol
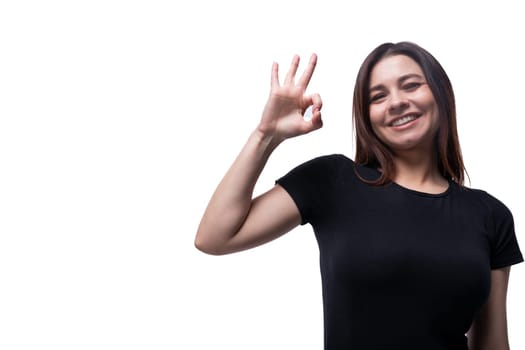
(489, 328)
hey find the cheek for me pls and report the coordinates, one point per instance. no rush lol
(433, 109)
(376, 115)
(424, 99)
(436, 122)
(377, 122)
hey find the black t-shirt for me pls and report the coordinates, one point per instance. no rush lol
(400, 269)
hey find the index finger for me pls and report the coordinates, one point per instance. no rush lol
(308, 72)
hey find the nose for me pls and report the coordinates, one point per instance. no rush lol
(398, 103)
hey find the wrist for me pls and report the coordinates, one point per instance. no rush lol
(266, 140)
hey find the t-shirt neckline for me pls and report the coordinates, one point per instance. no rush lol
(423, 194)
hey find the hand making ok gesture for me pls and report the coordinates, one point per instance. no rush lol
(283, 115)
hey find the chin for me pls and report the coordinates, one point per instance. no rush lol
(410, 142)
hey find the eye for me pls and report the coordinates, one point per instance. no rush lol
(412, 86)
(377, 97)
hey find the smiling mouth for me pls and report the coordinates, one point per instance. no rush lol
(405, 119)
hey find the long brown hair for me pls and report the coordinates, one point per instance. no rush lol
(370, 150)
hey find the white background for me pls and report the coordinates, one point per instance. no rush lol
(118, 119)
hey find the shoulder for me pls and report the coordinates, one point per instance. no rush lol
(332, 170)
(485, 199)
(321, 172)
(335, 168)
(487, 203)
(325, 164)
(331, 159)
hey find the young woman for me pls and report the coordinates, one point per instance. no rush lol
(410, 257)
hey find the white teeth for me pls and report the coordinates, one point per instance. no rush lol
(404, 120)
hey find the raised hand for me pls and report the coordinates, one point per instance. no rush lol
(283, 115)
(234, 220)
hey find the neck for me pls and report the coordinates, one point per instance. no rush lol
(419, 171)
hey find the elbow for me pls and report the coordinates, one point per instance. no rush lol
(207, 246)
(203, 246)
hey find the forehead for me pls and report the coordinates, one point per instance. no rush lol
(391, 68)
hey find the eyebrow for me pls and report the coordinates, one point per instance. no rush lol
(400, 80)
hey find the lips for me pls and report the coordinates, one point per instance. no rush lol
(404, 119)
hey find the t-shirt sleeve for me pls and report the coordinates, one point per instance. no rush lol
(310, 184)
(505, 250)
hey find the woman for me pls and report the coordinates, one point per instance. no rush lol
(410, 257)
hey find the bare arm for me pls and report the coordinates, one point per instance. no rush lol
(489, 329)
(233, 219)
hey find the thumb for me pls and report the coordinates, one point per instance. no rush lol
(313, 112)
(312, 121)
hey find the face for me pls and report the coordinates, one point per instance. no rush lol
(403, 112)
